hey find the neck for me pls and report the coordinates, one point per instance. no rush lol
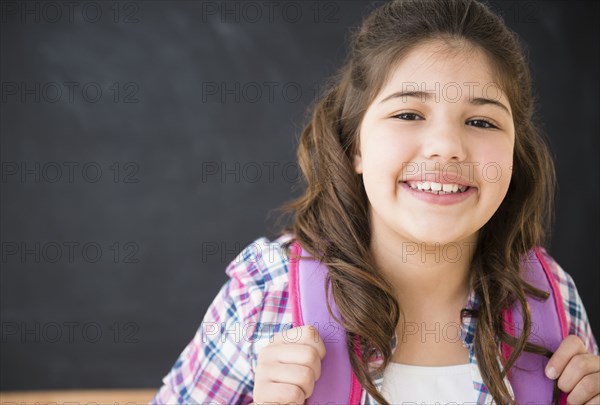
(431, 280)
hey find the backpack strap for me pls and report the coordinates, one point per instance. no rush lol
(338, 383)
(548, 328)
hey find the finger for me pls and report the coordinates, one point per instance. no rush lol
(579, 366)
(292, 354)
(313, 338)
(585, 390)
(593, 401)
(281, 393)
(307, 335)
(295, 374)
(569, 347)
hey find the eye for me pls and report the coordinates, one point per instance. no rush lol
(483, 124)
(408, 116)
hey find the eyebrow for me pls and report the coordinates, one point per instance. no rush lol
(429, 94)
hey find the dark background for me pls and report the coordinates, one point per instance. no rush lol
(121, 210)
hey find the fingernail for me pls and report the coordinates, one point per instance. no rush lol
(551, 373)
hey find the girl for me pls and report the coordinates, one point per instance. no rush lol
(423, 143)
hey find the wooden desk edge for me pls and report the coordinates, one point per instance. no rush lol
(74, 397)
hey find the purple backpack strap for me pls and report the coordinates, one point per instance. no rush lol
(548, 328)
(338, 383)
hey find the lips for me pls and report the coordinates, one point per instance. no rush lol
(442, 178)
(437, 188)
(439, 199)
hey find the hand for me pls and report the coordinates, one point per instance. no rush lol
(288, 367)
(577, 370)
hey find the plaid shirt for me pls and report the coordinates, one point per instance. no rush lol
(217, 366)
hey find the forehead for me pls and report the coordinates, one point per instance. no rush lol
(436, 64)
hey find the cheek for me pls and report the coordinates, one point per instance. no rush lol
(387, 149)
(384, 159)
(495, 163)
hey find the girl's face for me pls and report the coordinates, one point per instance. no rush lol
(455, 128)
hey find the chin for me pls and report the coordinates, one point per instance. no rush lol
(432, 240)
(431, 235)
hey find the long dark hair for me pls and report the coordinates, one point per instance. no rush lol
(331, 218)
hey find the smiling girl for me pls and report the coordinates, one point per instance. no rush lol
(423, 145)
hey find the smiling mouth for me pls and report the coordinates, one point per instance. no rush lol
(437, 188)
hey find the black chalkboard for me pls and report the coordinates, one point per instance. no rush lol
(144, 144)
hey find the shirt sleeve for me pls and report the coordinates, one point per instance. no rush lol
(215, 367)
(575, 310)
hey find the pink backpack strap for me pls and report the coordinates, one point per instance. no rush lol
(549, 327)
(338, 383)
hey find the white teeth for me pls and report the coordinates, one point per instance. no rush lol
(437, 188)
(449, 187)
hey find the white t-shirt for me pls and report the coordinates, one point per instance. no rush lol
(408, 384)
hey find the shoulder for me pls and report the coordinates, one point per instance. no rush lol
(564, 281)
(218, 364)
(260, 287)
(262, 264)
(575, 312)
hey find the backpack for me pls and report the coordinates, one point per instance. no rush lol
(339, 385)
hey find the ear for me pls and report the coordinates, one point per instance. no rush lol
(357, 164)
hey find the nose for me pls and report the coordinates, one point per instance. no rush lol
(445, 141)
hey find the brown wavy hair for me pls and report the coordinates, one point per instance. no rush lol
(331, 218)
